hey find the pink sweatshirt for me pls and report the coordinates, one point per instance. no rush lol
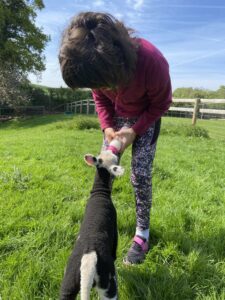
(147, 97)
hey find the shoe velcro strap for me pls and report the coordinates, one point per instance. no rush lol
(142, 243)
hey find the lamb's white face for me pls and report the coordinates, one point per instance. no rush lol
(106, 160)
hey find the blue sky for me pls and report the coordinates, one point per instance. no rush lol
(190, 33)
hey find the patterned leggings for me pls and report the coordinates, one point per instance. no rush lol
(143, 152)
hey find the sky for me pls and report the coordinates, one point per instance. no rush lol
(189, 33)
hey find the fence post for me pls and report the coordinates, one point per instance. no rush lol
(195, 112)
(88, 107)
(81, 106)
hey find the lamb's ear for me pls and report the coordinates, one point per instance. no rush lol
(116, 170)
(90, 159)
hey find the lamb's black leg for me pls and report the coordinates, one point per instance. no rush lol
(111, 292)
(107, 283)
(71, 282)
(115, 242)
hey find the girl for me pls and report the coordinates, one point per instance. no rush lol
(132, 90)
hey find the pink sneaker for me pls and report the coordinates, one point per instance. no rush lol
(137, 252)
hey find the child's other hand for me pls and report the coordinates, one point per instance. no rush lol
(127, 136)
(109, 134)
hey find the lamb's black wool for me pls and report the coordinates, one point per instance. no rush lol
(98, 233)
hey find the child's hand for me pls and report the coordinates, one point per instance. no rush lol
(109, 134)
(127, 136)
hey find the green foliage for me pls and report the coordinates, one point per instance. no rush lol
(21, 41)
(185, 130)
(192, 93)
(11, 92)
(80, 122)
(195, 131)
(54, 97)
(221, 92)
(15, 180)
(87, 123)
(44, 187)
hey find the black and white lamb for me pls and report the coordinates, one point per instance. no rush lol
(108, 158)
(92, 260)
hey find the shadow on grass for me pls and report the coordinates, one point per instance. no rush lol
(164, 282)
(212, 245)
(144, 285)
(178, 266)
(30, 122)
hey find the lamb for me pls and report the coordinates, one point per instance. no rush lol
(108, 158)
(92, 260)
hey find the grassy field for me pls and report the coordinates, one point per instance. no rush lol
(44, 185)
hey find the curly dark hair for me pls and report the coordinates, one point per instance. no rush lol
(97, 51)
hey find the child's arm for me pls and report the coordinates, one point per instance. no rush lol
(159, 90)
(104, 108)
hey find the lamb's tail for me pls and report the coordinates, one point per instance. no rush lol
(87, 273)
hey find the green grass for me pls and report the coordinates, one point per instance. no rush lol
(44, 186)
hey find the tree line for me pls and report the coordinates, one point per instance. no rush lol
(54, 98)
(21, 52)
(193, 93)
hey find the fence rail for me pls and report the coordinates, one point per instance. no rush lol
(190, 108)
(198, 108)
(79, 106)
(208, 101)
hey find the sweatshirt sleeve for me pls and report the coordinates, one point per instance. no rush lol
(104, 108)
(159, 94)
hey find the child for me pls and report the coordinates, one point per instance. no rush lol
(132, 90)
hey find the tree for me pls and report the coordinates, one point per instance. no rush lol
(11, 91)
(21, 41)
(221, 92)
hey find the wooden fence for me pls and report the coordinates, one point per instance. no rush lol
(198, 108)
(185, 108)
(83, 106)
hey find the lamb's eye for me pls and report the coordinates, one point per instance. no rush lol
(100, 161)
